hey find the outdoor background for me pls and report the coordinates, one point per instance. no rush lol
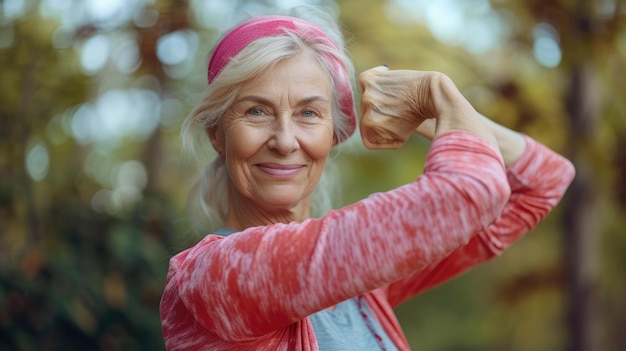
(93, 184)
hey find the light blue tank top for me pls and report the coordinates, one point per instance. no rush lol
(345, 328)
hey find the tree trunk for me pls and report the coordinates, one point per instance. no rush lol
(581, 225)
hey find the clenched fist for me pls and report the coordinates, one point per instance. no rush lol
(393, 105)
(397, 103)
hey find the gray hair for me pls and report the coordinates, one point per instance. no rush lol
(209, 197)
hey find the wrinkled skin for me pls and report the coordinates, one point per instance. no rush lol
(397, 103)
(393, 105)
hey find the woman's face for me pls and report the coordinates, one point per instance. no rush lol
(277, 135)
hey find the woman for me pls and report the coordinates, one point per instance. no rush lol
(279, 99)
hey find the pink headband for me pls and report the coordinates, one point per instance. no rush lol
(267, 26)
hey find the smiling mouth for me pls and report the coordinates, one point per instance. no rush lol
(280, 171)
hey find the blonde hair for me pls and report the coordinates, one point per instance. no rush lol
(209, 196)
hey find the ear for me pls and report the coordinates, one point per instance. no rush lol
(216, 136)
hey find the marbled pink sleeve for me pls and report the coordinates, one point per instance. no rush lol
(538, 180)
(251, 283)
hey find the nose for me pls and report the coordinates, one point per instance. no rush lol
(284, 139)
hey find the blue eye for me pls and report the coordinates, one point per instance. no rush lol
(308, 113)
(255, 111)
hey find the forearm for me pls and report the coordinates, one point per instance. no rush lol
(510, 143)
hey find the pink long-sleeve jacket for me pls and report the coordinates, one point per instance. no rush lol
(255, 289)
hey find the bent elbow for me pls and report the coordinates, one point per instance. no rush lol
(490, 198)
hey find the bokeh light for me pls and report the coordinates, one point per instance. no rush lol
(546, 47)
(37, 162)
(173, 48)
(117, 114)
(95, 53)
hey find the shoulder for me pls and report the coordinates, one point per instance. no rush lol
(180, 257)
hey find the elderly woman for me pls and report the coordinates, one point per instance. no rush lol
(279, 98)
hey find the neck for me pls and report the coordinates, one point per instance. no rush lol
(245, 213)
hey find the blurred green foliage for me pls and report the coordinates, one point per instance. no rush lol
(92, 198)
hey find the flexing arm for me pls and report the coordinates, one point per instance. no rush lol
(538, 178)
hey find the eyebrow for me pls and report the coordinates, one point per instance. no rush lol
(265, 101)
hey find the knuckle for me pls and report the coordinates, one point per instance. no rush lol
(363, 77)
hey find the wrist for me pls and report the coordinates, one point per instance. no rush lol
(454, 113)
(448, 101)
(511, 143)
